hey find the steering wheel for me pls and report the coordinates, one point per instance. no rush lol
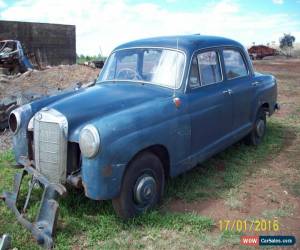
(129, 74)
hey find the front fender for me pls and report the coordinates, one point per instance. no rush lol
(102, 176)
(20, 143)
(20, 140)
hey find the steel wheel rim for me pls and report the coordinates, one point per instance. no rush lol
(144, 190)
(260, 128)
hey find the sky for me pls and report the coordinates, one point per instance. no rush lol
(101, 25)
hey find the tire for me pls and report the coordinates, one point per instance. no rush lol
(258, 132)
(142, 187)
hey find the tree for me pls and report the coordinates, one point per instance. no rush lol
(286, 44)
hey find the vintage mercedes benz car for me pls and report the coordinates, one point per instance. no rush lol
(159, 107)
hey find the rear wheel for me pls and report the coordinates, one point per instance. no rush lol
(259, 129)
(142, 187)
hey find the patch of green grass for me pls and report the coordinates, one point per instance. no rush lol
(239, 161)
(222, 239)
(6, 158)
(85, 223)
(286, 210)
(295, 188)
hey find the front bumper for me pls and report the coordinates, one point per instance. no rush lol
(43, 228)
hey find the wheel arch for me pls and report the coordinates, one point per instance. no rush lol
(160, 151)
(265, 106)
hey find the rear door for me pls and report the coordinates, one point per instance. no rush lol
(239, 81)
(210, 104)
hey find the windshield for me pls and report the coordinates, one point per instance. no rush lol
(162, 67)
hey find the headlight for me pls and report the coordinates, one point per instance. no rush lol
(89, 141)
(14, 120)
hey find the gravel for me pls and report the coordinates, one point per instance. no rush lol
(5, 140)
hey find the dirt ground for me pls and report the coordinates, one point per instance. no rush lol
(5, 140)
(49, 80)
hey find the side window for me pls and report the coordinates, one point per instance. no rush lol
(209, 67)
(234, 64)
(194, 74)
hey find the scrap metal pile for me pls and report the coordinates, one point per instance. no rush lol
(13, 58)
(19, 89)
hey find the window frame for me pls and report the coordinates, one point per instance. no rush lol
(183, 77)
(243, 58)
(201, 51)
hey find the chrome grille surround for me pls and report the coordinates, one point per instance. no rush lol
(50, 132)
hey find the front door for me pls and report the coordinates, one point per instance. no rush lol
(210, 103)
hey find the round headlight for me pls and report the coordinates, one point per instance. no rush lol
(89, 141)
(14, 121)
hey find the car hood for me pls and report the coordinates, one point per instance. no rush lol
(103, 99)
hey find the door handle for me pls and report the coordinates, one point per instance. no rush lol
(228, 91)
(255, 83)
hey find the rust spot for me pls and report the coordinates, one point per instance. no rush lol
(107, 171)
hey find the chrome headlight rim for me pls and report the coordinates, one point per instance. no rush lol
(14, 117)
(97, 141)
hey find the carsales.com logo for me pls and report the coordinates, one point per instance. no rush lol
(268, 240)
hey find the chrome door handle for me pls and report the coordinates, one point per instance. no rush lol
(255, 83)
(228, 91)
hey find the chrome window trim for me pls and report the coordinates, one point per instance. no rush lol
(145, 82)
(243, 58)
(220, 65)
(217, 47)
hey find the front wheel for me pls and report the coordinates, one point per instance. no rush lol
(259, 129)
(142, 187)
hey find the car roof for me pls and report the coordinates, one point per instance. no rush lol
(187, 43)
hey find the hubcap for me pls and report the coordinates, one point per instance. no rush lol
(145, 190)
(260, 128)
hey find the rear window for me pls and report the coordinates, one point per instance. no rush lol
(234, 64)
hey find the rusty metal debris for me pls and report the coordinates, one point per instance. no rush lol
(94, 64)
(43, 228)
(8, 104)
(13, 57)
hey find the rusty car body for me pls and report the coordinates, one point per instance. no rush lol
(260, 51)
(12, 56)
(159, 107)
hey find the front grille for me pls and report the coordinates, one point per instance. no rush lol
(50, 145)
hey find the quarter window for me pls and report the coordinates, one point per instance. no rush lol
(209, 67)
(234, 64)
(194, 75)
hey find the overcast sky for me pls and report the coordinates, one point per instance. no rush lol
(107, 23)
